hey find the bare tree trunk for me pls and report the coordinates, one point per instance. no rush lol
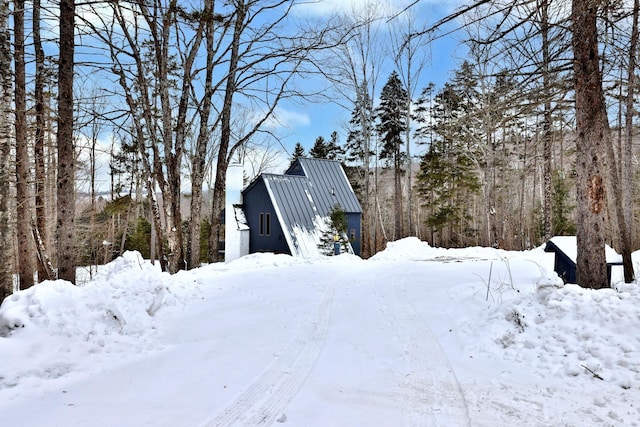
(44, 270)
(397, 200)
(6, 95)
(546, 121)
(26, 253)
(590, 156)
(66, 155)
(368, 218)
(626, 161)
(172, 148)
(198, 162)
(219, 185)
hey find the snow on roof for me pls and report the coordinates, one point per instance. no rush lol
(241, 219)
(304, 197)
(568, 245)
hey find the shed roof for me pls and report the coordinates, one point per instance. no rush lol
(569, 246)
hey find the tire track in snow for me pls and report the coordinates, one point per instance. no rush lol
(434, 395)
(264, 401)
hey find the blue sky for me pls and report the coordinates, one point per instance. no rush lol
(304, 123)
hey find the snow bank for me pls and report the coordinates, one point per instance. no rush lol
(568, 331)
(54, 321)
(414, 249)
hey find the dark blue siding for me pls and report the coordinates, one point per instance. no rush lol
(256, 201)
(562, 264)
(353, 223)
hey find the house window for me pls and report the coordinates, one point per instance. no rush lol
(352, 234)
(265, 224)
(261, 225)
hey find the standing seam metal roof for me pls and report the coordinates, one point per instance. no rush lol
(301, 200)
(330, 185)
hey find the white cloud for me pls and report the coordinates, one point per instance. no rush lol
(283, 118)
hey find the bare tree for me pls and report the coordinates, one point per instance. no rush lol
(547, 119)
(263, 62)
(66, 153)
(199, 157)
(26, 252)
(6, 95)
(40, 228)
(356, 65)
(626, 161)
(154, 48)
(592, 126)
(410, 59)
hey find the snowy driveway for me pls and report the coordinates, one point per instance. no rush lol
(414, 336)
(363, 356)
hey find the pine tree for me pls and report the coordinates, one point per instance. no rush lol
(334, 150)
(591, 127)
(446, 176)
(320, 150)
(560, 206)
(298, 152)
(356, 146)
(331, 149)
(335, 231)
(391, 116)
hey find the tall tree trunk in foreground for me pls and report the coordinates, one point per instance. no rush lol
(44, 266)
(628, 187)
(590, 156)
(199, 160)
(217, 203)
(66, 157)
(6, 283)
(26, 253)
(546, 121)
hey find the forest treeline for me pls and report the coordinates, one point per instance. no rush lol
(532, 135)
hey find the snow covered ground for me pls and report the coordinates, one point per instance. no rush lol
(414, 336)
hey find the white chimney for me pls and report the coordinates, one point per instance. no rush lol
(236, 230)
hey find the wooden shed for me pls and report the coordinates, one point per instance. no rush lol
(565, 251)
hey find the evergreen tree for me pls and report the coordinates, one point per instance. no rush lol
(560, 206)
(446, 178)
(356, 146)
(391, 116)
(323, 149)
(334, 150)
(320, 149)
(335, 231)
(298, 152)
